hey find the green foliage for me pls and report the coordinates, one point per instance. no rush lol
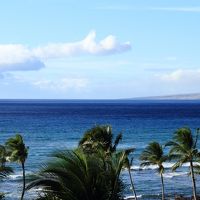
(18, 152)
(153, 155)
(74, 175)
(3, 154)
(99, 137)
(183, 147)
(92, 172)
(4, 170)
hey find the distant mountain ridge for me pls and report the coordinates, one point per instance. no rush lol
(194, 96)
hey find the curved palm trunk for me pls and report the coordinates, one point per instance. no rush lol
(24, 181)
(163, 189)
(118, 170)
(132, 185)
(193, 180)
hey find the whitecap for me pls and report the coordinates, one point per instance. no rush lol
(174, 174)
(18, 175)
(132, 197)
(167, 165)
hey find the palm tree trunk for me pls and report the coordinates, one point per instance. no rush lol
(24, 181)
(163, 189)
(193, 180)
(118, 170)
(132, 185)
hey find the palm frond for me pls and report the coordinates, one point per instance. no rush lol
(17, 151)
(177, 165)
(196, 138)
(152, 153)
(5, 171)
(116, 142)
(73, 175)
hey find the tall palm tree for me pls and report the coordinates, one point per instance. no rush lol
(183, 150)
(74, 175)
(153, 155)
(128, 164)
(99, 137)
(18, 152)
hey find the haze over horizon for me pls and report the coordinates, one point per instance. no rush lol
(65, 49)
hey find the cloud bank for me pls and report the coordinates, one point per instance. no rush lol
(19, 57)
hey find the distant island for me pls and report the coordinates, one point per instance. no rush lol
(194, 96)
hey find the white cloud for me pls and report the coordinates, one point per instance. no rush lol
(182, 75)
(88, 45)
(13, 53)
(179, 81)
(31, 64)
(62, 85)
(19, 57)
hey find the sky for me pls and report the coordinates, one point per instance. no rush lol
(84, 49)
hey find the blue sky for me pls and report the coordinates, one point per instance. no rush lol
(70, 49)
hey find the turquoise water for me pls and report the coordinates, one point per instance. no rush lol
(48, 126)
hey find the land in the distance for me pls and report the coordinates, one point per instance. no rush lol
(193, 96)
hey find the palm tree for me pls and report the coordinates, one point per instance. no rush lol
(153, 155)
(74, 175)
(128, 164)
(18, 152)
(99, 137)
(183, 150)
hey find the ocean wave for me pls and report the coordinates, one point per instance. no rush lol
(174, 174)
(151, 167)
(18, 175)
(132, 197)
(167, 165)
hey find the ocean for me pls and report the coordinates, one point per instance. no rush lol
(58, 124)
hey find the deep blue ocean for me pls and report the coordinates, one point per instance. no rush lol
(52, 125)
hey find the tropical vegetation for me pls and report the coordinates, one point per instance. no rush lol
(99, 138)
(184, 150)
(93, 170)
(18, 152)
(153, 155)
(73, 175)
(4, 170)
